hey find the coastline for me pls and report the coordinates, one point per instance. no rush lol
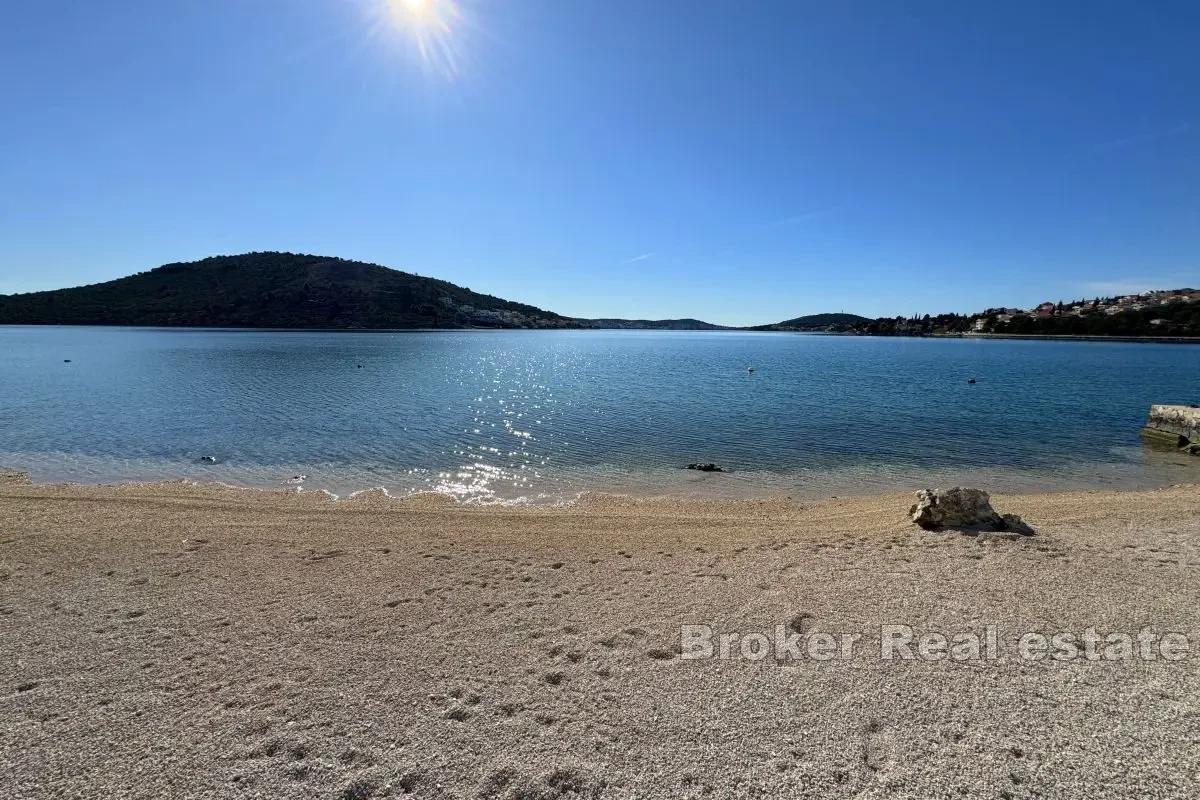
(216, 642)
(711, 329)
(1082, 338)
(1146, 466)
(19, 483)
(1032, 336)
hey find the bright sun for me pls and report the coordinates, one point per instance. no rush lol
(418, 7)
(429, 27)
(420, 13)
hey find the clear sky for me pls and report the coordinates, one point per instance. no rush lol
(740, 161)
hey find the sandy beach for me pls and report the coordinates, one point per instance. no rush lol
(174, 641)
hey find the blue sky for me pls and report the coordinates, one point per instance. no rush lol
(741, 162)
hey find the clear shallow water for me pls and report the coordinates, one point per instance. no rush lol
(542, 415)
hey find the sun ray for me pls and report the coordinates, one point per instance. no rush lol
(428, 28)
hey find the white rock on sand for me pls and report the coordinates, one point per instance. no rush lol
(168, 641)
(963, 509)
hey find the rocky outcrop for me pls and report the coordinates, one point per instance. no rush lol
(704, 467)
(1178, 426)
(957, 507)
(963, 509)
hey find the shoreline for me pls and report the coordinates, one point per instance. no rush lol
(1166, 469)
(1031, 336)
(717, 329)
(1083, 338)
(753, 511)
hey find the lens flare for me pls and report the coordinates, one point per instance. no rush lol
(429, 27)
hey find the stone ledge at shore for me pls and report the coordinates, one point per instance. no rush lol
(1175, 425)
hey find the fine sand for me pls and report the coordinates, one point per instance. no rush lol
(169, 641)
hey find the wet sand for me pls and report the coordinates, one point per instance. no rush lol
(170, 641)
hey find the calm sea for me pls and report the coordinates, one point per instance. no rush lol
(539, 415)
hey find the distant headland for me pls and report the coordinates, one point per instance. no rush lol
(1168, 314)
(288, 290)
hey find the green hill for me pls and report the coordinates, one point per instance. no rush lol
(815, 322)
(275, 290)
(285, 290)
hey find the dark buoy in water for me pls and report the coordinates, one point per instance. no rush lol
(360, 366)
(970, 380)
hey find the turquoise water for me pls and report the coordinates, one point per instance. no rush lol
(542, 415)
